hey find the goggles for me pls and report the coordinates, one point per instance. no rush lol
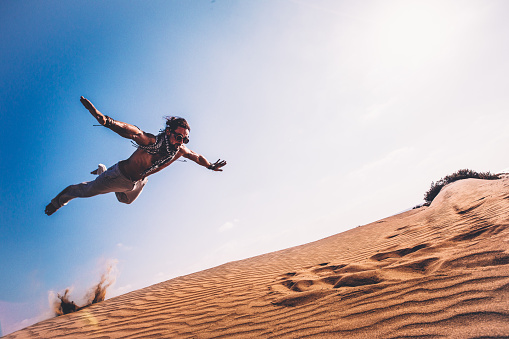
(180, 138)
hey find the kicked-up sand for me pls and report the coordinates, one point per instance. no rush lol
(432, 272)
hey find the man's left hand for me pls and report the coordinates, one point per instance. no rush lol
(217, 165)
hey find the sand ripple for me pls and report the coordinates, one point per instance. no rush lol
(438, 271)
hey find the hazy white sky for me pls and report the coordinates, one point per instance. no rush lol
(331, 114)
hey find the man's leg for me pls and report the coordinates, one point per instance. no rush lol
(83, 190)
(69, 193)
(128, 197)
(110, 181)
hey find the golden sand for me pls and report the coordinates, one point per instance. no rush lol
(437, 271)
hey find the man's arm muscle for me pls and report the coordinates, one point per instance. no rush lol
(197, 158)
(121, 128)
(201, 160)
(132, 132)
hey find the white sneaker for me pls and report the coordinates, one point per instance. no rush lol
(101, 169)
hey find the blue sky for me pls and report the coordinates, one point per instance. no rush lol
(331, 114)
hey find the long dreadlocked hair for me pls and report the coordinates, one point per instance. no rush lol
(175, 122)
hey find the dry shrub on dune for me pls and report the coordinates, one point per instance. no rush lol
(459, 175)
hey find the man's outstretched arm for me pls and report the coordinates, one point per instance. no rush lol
(121, 128)
(201, 160)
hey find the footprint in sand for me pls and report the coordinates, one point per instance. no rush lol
(398, 253)
(481, 259)
(469, 209)
(301, 287)
(298, 288)
(479, 228)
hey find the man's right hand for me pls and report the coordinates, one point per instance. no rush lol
(98, 115)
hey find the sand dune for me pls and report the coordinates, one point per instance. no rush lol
(437, 271)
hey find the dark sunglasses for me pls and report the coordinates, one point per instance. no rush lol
(180, 138)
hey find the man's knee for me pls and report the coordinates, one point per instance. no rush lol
(123, 198)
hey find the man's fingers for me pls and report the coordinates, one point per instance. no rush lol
(218, 164)
(88, 105)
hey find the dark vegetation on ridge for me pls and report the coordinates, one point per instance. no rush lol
(461, 174)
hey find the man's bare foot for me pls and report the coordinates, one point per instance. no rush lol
(50, 209)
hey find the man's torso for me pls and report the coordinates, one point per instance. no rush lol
(134, 167)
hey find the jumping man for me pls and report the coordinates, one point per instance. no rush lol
(128, 177)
